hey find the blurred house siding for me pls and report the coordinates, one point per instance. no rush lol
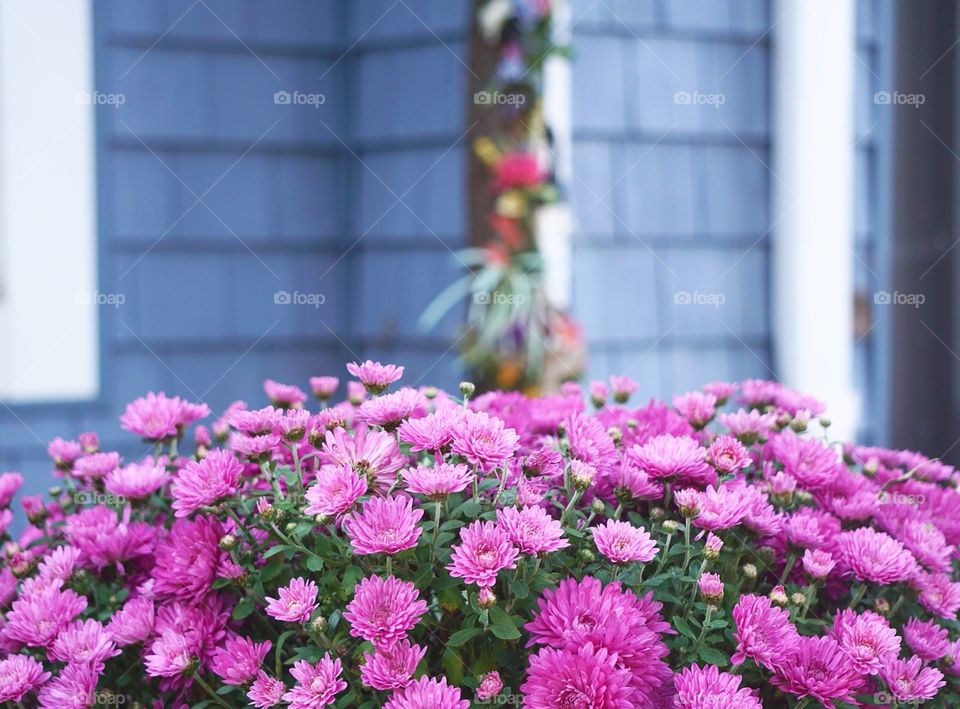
(361, 198)
(672, 184)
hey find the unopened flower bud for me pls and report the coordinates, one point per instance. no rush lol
(882, 606)
(597, 506)
(749, 571)
(55, 491)
(586, 555)
(825, 422)
(467, 389)
(192, 665)
(804, 496)
(871, 466)
(486, 598)
(767, 555)
(670, 525)
(616, 435)
(291, 526)
(779, 595)
(228, 542)
(430, 392)
(797, 598)
(581, 474)
(711, 588)
(657, 513)
(318, 625)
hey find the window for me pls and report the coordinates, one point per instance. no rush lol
(48, 298)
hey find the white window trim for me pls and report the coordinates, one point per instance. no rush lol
(814, 48)
(48, 298)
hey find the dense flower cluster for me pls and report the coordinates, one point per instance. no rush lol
(413, 548)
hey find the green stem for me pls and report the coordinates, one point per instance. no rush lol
(241, 526)
(389, 566)
(808, 600)
(663, 557)
(566, 510)
(209, 690)
(858, 595)
(686, 544)
(436, 530)
(703, 631)
(617, 512)
(791, 560)
(503, 482)
(667, 496)
(896, 606)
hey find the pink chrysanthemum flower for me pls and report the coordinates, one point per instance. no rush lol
(36, 618)
(484, 550)
(170, 654)
(927, 544)
(818, 563)
(157, 417)
(803, 529)
(64, 453)
(375, 377)
(84, 642)
(531, 529)
(623, 387)
(390, 410)
(284, 396)
(728, 455)
(132, 623)
(722, 390)
(266, 692)
(599, 391)
(187, 560)
(391, 668)
(60, 563)
(711, 587)
(938, 594)
(875, 556)
(317, 685)
(74, 688)
(10, 483)
(866, 639)
(584, 677)
(669, 457)
(433, 432)
(748, 426)
(205, 482)
(722, 507)
(427, 692)
(636, 484)
(763, 632)
(384, 610)
(696, 407)
(336, 491)
(484, 441)
(324, 387)
(96, 465)
(438, 482)
(238, 660)
(136, 481)
(255, 422)
(372, 454)
(701, 687)
(296, 603)
(818, 669)
(254, 448)
(928, 640)
(910, 681)
(384, 525)
(490, 686)
(813, 464)
(621, 542)
(19, 675)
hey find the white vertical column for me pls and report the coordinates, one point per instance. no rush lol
(812, 163)
(555, 221)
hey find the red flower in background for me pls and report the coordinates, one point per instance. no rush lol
(517, 170)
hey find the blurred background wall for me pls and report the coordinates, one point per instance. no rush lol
(223, 197)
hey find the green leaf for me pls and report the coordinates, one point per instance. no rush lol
(275, 550)
(314, 562)
(502, 625)
(714, 657)
(684, 627)
(243, 608)
(462, 636)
